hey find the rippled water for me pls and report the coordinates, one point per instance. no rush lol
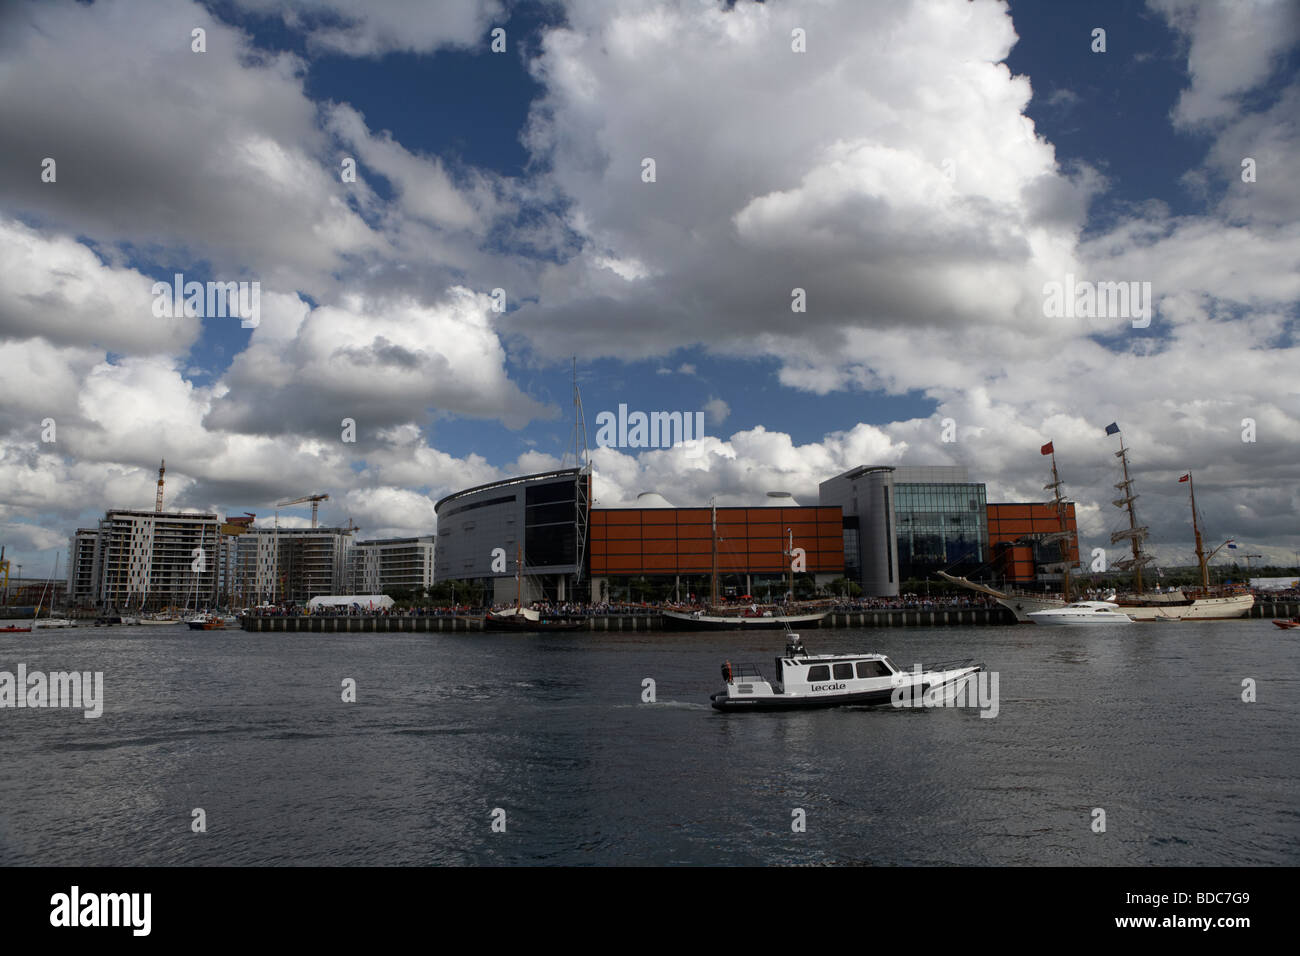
(1145, 722)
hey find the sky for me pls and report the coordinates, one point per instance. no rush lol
(842, 253)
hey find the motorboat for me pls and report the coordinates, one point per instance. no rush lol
(806, 681)
(1287, 625)
(14, 629)
(1083, 612)
(53, 622)
(206, 622)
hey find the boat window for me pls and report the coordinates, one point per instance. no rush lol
(819, 672)
(872, 669)
(843, 671)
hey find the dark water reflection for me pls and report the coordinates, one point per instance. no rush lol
(1146, 722)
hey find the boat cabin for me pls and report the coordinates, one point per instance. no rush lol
(815, 674)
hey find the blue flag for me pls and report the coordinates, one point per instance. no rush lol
(1112, 428)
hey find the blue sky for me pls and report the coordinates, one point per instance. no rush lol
(823, 170)
(470, 107)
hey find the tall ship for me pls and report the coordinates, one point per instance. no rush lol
(1204, 603)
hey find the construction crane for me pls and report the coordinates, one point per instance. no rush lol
(315, 504)
(162, 468)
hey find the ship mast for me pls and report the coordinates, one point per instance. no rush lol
(1200, 545)
(1135, 534)
(519, 570)
(713, 592)
(790, 555)
(1063, 536)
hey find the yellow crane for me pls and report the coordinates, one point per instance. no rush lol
(157, 502)
(315, 504)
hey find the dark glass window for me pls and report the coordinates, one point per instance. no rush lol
(476, 505)
(872, 669)
(550, 494)
(819, 672)
(550, 514)
(551, 545)
(843, 671)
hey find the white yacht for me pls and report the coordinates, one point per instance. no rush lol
(1083, 612)
(53, 622)
(806, 680)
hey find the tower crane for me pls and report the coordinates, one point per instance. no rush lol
(315, 504)
(157, 502)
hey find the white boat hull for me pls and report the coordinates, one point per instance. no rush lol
(1201, 609)
(679, 620)
(1023, 605)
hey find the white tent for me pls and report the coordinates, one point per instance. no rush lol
(365, 601)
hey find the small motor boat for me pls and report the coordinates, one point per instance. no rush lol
(206, 622)
(1082, 612)
(806, 680)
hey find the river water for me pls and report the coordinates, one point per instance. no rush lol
(548, 737)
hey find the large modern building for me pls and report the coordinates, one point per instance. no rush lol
(903, 523)
(145, 559)
(941, 521)
(865, 497)
(669, 552)
(484, 532)
(885, 527)
(83, 567)
(274, 565)
(384, 565)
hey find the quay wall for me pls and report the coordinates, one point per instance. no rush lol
(879, 617)
(883, 617)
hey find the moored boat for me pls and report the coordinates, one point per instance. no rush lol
(530, 620)
(704, 621)
(1082, 613)
(14, 629)
(527, 619)
(1206, 603)
(206, 622)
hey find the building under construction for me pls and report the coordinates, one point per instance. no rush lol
(146, 560)
(277, 565)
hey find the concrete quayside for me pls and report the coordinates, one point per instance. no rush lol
(876, 617)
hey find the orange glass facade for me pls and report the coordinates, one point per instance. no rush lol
(1009, 523)
(644, 541)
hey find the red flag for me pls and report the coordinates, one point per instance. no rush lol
(1047, 449)
(1186, 477)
